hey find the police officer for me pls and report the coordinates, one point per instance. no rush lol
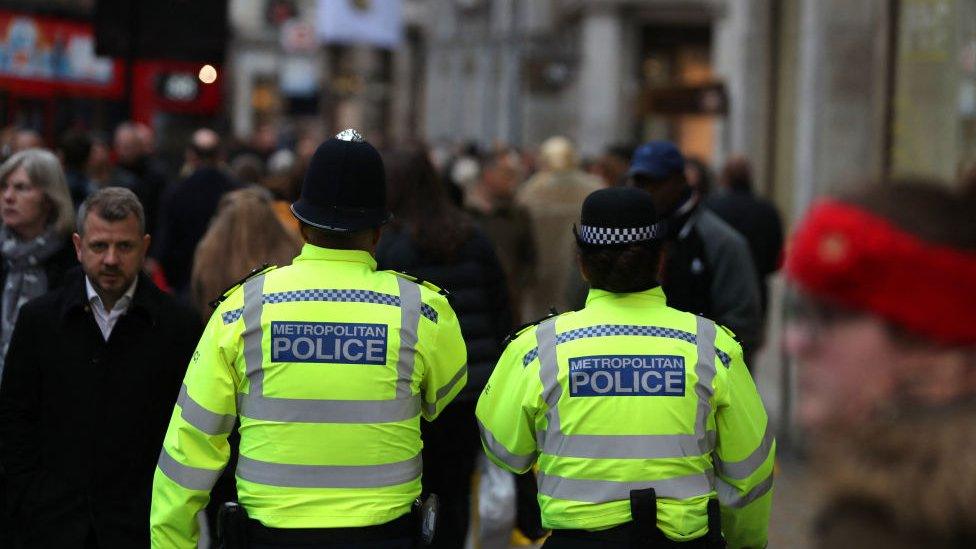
(641, 418)
(329, 365)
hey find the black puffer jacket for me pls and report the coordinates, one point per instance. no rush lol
(478, 290)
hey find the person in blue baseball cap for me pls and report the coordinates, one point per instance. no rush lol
(708, 269)
(659, 167)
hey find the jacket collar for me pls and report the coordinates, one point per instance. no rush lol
(75, 297)
(315, 253)
(651, 297)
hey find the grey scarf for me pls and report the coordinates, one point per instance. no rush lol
(26, 278)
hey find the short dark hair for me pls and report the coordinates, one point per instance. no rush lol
(75, 146)
(925, 208)
(112, 204)
(622, 269)
(353, 240)
(737, 174)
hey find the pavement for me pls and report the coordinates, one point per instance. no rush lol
(796, 494)
(796, 500)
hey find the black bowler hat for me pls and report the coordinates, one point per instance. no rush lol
(617, 216)
(345, 186)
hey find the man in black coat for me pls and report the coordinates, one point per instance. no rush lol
(754, 217)
(188, 208)
(93, 372)
(138, 170)
(708, 269)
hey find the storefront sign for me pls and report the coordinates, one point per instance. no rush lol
(45, 55)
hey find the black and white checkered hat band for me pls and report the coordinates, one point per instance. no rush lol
(618, 235)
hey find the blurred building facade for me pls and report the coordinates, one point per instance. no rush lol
(815, 92)
(285, 73)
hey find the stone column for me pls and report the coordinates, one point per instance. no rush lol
(741, 60)
(842, 95)
(601, 77)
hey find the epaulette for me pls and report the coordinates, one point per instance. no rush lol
(731, 334)
(233, 287)
(518, 331)
(422, 282)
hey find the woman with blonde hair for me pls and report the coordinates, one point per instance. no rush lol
(244, 233)
(35, 234)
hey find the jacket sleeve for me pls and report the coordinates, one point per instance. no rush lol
(20, 398)
(195, 449)
(507, 409)
(445, 361)
(744, 454)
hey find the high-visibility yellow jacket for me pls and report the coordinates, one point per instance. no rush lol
(629, 394)
(329, 365)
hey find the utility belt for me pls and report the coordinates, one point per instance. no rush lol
(643, 532)
(238, 531)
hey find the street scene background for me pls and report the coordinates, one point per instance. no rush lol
(815, 96)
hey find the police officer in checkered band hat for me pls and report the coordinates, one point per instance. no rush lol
(335, 362)
(655, 434)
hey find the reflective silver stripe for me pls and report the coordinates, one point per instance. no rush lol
(518, 462)
(201, 418)
(253, 334)
(191, 478)
(602, 491)
(621, 446)
(738, 470)
(545, 336)
(329, 476)
(409, 320)
(299, 410)
(431, 407)
(705, 372)
(730, 496)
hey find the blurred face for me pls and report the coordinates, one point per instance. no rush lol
(111, 254)
(127, 146)
(25, 208)
(99, 155)
(265, 138)
(26, 140)
(666, 193)
(615, 169)
(147, 139)
(500, 181)
(848, 363)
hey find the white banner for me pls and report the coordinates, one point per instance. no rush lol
(367, 22)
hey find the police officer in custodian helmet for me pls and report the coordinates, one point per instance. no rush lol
(329, 365)
(643, 420)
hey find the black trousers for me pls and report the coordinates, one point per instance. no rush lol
(388, 544)
(451, 446)
(396, 534)
(618, 537)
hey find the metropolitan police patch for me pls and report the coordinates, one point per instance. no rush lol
(627, 375)
(332, 342)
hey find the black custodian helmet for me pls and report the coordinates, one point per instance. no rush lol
(345, 186)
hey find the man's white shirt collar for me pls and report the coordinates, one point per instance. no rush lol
(106, 319)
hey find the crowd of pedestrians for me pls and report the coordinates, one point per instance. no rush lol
(112, 263)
